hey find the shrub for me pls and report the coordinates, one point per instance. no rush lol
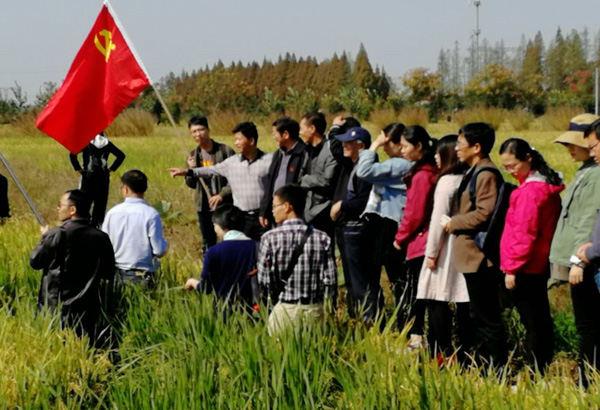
(414, 116)
(222, 122)
(383, 117)
(132, 122)
(520, 120)
(557, 118)
(24, 124)
(493, 116)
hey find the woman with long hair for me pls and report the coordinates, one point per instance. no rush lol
(419, 148)
(439, 281)
(386, 203)
(531, 219)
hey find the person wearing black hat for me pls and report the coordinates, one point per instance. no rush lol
(360, 276)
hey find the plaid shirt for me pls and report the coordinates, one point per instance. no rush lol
(248, 180)
(314, 275)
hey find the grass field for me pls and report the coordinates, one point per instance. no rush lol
(175, 352)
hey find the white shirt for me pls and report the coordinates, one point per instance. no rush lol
(136, 233)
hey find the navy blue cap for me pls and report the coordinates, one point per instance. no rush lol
(356, 133)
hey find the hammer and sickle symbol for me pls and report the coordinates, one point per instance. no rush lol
(108, 44)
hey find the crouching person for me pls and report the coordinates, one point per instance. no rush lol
(228, 265)
(75, 258)
(295, 264)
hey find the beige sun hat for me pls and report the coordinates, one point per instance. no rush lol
(577, 126)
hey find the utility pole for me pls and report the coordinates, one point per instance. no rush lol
(477, 3)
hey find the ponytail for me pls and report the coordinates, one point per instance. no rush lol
(521, 149)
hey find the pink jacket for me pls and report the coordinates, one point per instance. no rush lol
(530, 223)
(413, 229)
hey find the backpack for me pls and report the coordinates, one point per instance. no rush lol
(488, 238)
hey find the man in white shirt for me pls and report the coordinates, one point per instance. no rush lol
(135, 230)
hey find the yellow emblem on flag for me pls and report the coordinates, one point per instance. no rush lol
(108, 45)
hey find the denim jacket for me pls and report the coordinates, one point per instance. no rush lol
(388, 195)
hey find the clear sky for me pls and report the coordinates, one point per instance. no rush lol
(39, 38)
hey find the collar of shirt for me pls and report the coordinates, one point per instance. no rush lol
(135, 200)
(234, 235)
(286, 151)
(259, 154)
(293, 221)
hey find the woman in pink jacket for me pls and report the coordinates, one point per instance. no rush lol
(525, 245)
(419, 148)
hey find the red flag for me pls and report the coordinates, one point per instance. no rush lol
(103, 79)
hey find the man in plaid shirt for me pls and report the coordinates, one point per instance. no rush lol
(314, 276)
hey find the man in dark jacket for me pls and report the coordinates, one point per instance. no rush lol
(4, 208)
(212, 190)
(75, 258)
(290, 163)
(354, 238)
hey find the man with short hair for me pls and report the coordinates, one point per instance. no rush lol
(210, 191)
(247, 173)
(322, 173)
(136, 232)
(290, 162)
(475, 142)
(75, 258)
(311, 278)
(355, 242)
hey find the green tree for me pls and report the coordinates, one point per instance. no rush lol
(363, 71)
(495, 86)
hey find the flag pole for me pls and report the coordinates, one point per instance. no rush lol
(29, 201)
(158, 95)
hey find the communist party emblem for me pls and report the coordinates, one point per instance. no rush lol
(108, 45)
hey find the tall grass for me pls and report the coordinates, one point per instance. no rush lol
(493, 116)
(176, 352)
(133, 122)
(558, 118)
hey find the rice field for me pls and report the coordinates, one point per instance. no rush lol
(175, 352)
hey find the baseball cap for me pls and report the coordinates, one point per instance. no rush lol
(356, 133)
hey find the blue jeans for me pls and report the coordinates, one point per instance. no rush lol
(597, 279)
(145, 279)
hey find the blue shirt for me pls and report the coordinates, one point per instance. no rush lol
(388, 195)
(135, 230)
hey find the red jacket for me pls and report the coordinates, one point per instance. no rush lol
(413, 229)
(530, 223)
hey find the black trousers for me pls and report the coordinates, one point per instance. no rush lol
(417, 306)
(490, 336)
(324, 223)
(586, 307)
(207, 229)
(530, 297)
(252, 228)
(364, 293)
(96, 187)
(383, 231)
(439, 335)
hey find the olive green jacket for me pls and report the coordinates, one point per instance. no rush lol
(580, 204)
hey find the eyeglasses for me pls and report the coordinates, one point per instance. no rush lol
(60, 205)
(276, 205)
(511, 167)
(591, 147)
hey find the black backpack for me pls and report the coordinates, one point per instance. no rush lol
(488, 238)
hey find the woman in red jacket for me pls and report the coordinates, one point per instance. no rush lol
(419, 148)
(525, 245)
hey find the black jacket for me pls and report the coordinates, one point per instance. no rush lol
(95, 160)
(4, 208)
(74, 258)
(297, 167)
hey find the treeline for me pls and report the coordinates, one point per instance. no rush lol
(289, 85)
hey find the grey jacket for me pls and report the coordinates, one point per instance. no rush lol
(320, 181)
(216, 184)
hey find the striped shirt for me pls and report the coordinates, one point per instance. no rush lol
(248, 180)
(314, 276)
